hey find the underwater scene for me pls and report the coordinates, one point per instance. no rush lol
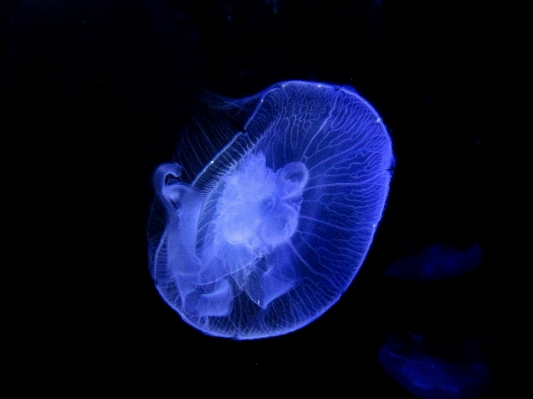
(297, 195)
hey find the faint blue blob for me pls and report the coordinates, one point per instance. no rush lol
(435, 372)
(270, 231)
(436, 262)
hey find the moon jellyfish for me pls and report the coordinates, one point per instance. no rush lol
(271, 230)
(436, 262)
(450, 371)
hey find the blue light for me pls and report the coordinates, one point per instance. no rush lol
(275, 226)
(436, 262)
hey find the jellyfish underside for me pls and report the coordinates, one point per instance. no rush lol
(257, 214)
(271, 232)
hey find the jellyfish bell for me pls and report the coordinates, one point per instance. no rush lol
(269, 228)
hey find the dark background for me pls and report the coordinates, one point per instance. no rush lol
(95, 96)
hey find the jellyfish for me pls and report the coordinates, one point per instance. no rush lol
(452, 370)
(266, 234)
(436, 262)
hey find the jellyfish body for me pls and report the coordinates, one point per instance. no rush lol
(271, 232)
(436, 262)
(433, 371)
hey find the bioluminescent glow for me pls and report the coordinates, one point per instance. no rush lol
(271, 231)
(432, 371)
(436, 262)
